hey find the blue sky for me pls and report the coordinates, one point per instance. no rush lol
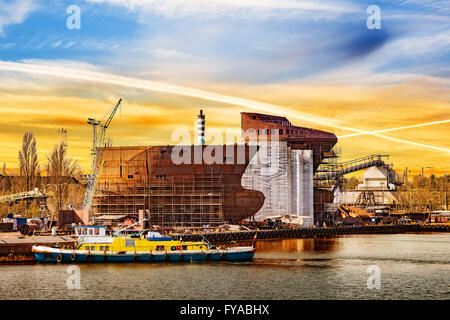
(230, 40)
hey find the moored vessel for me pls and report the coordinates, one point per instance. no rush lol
(95, 246)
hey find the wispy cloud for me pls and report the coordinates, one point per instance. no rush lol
(212, 9)
(190, 92)
(437, 43)
(13, 12)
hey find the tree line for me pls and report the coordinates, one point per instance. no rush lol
(60, 178)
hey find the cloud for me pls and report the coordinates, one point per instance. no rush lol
(438, 43)
(15, 12)
(166, 54)
(212, 9)
(149, 119)
(116, 80)
(135, 83)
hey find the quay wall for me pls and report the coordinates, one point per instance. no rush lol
(16, 250)
(220, 237)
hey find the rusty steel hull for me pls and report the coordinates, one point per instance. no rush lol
(195, 192)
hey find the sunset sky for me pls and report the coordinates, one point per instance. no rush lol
(315, 62)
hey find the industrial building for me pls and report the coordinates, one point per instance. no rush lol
(378, 189)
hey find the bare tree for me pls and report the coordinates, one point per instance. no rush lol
(60, 170)
(28, 160)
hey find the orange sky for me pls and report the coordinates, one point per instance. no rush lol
(150, 118)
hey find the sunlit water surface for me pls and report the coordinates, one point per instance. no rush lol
(412, 266)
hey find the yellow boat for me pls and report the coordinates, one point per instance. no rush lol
(95, 246)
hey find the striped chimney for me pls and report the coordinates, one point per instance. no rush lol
(201, 128)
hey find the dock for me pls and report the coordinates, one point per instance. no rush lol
(320, 232)
(16, 249)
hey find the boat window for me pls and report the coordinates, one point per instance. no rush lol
(130, 242)
(96, 231)
(93, 248)
(173, 248)
(102, 248)
(184, 247)
(107, 248)
(159, 248)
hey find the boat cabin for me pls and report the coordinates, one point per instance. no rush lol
(90, 231)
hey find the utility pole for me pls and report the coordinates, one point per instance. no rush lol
(430, 169)
(63, 133)
(405, 176)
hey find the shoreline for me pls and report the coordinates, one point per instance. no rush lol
(18, 250)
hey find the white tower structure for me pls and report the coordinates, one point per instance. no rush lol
(201, 128)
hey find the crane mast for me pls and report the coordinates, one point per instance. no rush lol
(98, 143)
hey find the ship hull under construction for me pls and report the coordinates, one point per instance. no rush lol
(197, 186)
(198, 191)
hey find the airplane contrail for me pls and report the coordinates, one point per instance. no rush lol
(186, 91)
(395, 129)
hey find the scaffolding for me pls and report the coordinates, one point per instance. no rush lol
(327, 168)
(120, 199)
(193, 200)
(187, 201)
(324, 208)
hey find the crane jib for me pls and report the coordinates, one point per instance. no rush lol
(97, 148)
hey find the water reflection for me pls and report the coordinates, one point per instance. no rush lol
(413, 266)
(313, 245)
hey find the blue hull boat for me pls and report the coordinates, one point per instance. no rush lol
(55, 255)
(97, 247)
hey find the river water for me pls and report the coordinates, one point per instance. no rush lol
(411, 266)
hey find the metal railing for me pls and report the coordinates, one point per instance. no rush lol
(353, 166)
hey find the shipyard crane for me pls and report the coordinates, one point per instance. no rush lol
(98, 143)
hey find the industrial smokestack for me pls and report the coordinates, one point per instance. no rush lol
(201, 128)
